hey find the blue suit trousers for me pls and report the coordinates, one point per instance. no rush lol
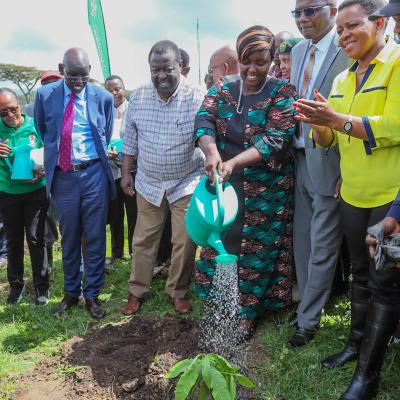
(81, 201)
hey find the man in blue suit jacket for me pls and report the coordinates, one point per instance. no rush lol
(81, 186)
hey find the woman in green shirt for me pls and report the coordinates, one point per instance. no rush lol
(362, 117)
(23, 204)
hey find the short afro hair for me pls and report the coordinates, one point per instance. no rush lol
(369, 6)
(163, 47)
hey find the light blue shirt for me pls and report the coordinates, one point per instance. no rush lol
(321, 50)
(83, 147)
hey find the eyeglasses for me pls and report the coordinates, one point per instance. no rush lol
(212, 68)
(309, 11)
(12, 110)
(77, 78)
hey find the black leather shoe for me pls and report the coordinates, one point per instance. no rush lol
(67, 302)
(94, 307)
(301, 337)
(349, 353)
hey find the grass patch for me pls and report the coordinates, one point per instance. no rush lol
(295, 374)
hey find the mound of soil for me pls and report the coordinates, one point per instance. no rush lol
(133, 358)
(124, 361)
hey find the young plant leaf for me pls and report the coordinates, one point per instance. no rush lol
(178, 368)
(186, 382)
(206, 371)
(220, 389)
(232, 387)
(244, 381)
(224, 365)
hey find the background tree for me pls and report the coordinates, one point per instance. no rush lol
(24, 77)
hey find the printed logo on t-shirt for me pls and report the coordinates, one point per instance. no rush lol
(32, 140)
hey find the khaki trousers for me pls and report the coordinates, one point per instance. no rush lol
(146, 242)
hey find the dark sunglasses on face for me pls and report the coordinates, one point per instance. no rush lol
(12, 110)
(77, 78)
(309, 11)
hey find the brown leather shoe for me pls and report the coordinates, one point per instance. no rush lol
(133, 305)
(181, 306)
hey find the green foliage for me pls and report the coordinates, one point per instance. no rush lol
(208, 376)
(24, 77)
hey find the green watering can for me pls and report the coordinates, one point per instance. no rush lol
(211, 212)
(117, 144)
(22, 166)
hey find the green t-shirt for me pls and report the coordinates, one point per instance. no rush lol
(26, 133)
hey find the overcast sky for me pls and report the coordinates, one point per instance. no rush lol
(37, 32)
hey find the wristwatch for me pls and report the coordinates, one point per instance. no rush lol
(348, 124)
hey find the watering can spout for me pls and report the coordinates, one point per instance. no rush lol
(214, 240)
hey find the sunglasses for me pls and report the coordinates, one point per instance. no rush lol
(309, 11)
(12, 110)
(77, 78)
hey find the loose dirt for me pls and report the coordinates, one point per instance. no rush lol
(118, 361)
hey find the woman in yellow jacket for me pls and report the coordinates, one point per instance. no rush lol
(362, 117)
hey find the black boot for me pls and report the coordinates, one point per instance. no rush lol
(359, 310)
(381, 324)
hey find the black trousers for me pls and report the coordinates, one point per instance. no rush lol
(25, 214)
(116, 214)
(384, 285)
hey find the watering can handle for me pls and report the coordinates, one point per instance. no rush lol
(220, 199)
(7, 159)
(8, 162)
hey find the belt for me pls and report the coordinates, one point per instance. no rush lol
(81, 166)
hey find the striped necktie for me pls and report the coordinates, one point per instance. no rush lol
(308, 72)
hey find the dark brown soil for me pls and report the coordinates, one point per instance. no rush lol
(124, 361)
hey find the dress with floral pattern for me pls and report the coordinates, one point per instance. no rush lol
(262, 234)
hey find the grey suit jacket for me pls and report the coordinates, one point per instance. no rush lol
(323, 166)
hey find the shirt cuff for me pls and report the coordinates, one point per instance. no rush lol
(394, 211)
(204, 132)
(129, 151)
(370, 133)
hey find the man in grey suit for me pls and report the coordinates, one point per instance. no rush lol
(315, 62)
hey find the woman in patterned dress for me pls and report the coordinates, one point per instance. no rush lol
(245, 129)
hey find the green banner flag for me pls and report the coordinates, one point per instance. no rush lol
(96, 22)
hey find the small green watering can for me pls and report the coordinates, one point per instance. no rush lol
(116, 144)
(22, 166)
(212, 210)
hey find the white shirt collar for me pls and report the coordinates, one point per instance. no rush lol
(324, 44)
(67, 91)
(121, 108)
(173, 95)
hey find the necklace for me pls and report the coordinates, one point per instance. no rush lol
(239, 105)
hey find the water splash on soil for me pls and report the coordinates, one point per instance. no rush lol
(220, 331)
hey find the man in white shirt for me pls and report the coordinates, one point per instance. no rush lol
(159, 135)
(116, 213)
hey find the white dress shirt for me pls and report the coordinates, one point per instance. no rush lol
(321, 50)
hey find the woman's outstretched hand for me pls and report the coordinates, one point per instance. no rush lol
(317, 113)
